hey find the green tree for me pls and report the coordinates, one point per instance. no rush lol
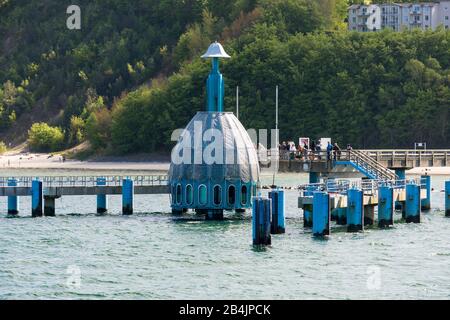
(42, 137)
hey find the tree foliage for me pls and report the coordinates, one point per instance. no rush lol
(42, 137)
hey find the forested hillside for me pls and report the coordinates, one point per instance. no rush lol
(132, 74)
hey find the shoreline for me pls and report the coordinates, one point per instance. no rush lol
(36, 161)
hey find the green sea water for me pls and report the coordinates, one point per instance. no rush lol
(154, 255)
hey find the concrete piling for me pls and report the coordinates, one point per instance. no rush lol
(307, 212)
(127, 197)
(102, 201)
(447, 198)
(341, 217)
(401, 174)
(321, 214)
(278, 208)
(36, 198)
(412, 205)
(261, 221)
(369, 214)
(49, 206)
(314, 177)
(385, 206)
(213, 214)
(13, 203)
(426, 203)
(334, 214)
(355, 210)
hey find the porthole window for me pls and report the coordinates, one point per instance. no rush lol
(244, 195)
(202, 197)
(217, 191)
(231, 195)
(178, 195)
(189, 194)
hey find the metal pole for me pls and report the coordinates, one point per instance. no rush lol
(276, 129)
(237, 102)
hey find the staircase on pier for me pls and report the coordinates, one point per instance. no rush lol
(367, 166)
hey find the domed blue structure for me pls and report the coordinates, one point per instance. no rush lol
(215, 164)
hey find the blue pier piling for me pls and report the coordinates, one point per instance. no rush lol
(307, 212)
(447, 198)
(355, 210)
(13, 203)
(278, 208)
(412, 205)
(385, 206)
(102, 201)
(36, 198)
(426, 182)
(334, 214)
(341, 216)
(261, 221)
(401, 174)
(127, 197)
(321, 214)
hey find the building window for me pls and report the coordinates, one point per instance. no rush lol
(231, 195)
(217, 195)
(244, 195)
(202, 196)
(189, 194)
(426, 18)
(446, 17)
(178, 194)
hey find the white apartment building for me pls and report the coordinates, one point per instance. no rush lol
(399, 16)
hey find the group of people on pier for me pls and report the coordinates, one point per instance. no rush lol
(312, 151)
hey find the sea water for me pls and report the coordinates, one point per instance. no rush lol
(154, 255)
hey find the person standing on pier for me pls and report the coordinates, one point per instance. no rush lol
(329, 150)
(336, 151)
(349, 151)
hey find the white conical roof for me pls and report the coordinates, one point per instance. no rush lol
(215, 50)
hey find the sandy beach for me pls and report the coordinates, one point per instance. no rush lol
(47, 161)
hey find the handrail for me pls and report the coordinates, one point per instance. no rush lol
(86, 181)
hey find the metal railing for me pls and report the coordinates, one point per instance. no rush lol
(368, 186)
(86, 181)
(359, 158)
(404, 154)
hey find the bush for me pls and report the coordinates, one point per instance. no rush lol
(42, 137)
(2, 147)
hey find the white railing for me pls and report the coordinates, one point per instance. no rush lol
(86, 181)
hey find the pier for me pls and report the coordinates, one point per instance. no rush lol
(353, 203)
(45, 190)
(372, 164)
